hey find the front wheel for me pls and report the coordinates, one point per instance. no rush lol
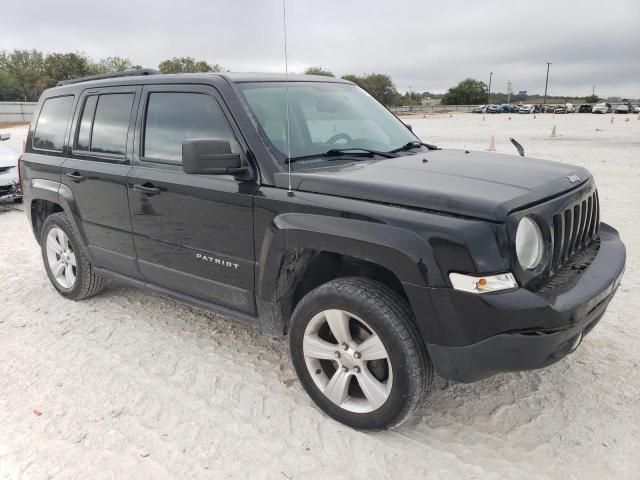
(357, 353)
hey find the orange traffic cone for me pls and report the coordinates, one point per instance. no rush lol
(492, 144)
(611, 120)
(554, 132)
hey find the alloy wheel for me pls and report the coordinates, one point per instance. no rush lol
(61, 258)
(347, 361)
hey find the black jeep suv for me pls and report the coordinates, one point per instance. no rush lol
(303, 207)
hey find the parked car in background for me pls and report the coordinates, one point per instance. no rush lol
(622, 108)
(585, 108)
(508, 108)
(570, 108)
(527, 108)
(601, 108)
(494, 109)
(479, 109)
(547, 108)
(559, 109)
(9, 178)
(636, 109)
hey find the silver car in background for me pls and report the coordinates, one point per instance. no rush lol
(9, 177)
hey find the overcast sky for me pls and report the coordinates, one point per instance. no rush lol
(426, 45)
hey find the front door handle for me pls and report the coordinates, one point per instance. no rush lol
(148, 189)
(75, 176)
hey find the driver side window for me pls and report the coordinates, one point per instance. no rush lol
(172, 117)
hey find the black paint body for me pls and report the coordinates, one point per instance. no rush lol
(246, 246)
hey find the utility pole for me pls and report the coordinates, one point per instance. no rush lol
(489, 93)
(546, 84)
(410, 95)
(593, 92)
(508, 91)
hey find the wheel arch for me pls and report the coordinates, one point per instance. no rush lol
(303, 251)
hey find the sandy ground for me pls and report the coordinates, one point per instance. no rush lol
(130, 385)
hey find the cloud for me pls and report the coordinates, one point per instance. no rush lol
(426, 45)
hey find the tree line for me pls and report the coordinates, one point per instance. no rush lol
(25, 74)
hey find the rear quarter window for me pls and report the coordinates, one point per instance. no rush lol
(51, 126)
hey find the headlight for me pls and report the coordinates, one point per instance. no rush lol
(529, 244)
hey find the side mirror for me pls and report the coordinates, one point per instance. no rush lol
(5, 136)
(210, 156)
(409, 127)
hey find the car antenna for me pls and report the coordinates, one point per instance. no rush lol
(286, 88)
(518, 146)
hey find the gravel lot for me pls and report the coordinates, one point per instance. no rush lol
(131, 385)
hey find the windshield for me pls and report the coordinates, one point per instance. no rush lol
(322, 117)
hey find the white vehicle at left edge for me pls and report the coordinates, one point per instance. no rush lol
(9, 179)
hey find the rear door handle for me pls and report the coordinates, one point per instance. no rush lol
(75, 176)
(148, 189)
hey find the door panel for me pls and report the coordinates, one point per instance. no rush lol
(97, 179)
(192, 233)
(197, 226)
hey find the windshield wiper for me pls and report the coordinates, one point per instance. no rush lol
(414, 144)
(352, 152)
(334, 152)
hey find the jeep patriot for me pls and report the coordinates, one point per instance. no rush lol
(302, 206)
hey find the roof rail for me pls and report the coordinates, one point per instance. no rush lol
(125, 73)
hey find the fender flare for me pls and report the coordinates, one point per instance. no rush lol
(60, 194)
(401, 251)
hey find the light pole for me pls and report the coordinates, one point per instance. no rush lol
(546, 84)
(489, 93)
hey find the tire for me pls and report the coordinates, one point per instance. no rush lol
(86, 283)
(370, 308)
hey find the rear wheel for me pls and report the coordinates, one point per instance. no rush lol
(358, 354)
(66, 260)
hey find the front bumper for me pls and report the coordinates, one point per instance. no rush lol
(476, 336)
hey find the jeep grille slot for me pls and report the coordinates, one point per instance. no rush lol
(573, 229)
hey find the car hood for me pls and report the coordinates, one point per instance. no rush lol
(474, 184)
(8, 156)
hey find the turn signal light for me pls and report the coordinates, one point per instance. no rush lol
(483, 284)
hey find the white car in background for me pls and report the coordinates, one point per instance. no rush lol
(601, 108)
(9, 177)
(526, 109)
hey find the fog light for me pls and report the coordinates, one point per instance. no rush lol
(483, 283)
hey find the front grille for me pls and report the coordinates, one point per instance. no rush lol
(574, 229)
(578, 264)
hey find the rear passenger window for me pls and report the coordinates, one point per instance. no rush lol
(111, 123)
(174, 117)
(52, 123)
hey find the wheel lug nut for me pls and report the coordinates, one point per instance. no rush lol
(337, 354)
(345, 346)
(356, 369)
(356, 355)
(345, 369)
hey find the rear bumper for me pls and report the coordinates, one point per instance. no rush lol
(522, 329)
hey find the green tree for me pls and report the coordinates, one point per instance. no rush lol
(379, 85)
(318, 71)
(592, 99)
(187, 65)
(26, 67)
(467, 92)
(8, 87)
(112, 65)
(64, 66)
